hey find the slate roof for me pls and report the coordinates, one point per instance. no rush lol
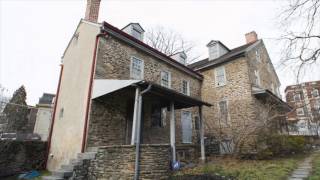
(232, 54)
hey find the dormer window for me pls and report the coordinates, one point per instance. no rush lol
(135, 30)
(216, 49)
(180, 57)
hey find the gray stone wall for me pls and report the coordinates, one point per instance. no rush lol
(113, 62)
(117, 162)
(111, 118)
(20, 156)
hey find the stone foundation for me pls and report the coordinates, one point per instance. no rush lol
(117, 162)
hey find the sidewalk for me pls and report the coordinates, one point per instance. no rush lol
(303, 171)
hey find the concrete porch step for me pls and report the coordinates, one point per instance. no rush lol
(87, 155)
(76, 162)
(52, 178)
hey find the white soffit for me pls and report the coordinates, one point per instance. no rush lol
(106, 86)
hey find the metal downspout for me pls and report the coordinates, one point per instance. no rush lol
(136, 165)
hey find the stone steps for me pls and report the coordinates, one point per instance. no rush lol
(66, 170)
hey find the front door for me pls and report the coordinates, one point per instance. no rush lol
(186, 122)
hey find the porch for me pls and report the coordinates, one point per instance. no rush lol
(123, 110)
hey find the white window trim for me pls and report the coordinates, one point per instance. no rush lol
(228, 112)
(142, 70)
(169, 79)
(188, 87)
(216, 78)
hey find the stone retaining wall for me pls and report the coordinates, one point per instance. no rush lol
(117, 162)
(19, 156)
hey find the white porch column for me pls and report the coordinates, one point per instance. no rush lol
(135, 116)
(172, 132)
(203, 157)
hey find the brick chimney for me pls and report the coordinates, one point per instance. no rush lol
(251, 37)
(92, 10)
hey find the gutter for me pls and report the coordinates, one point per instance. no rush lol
(136, 165)
(53, 115)
(85, 129)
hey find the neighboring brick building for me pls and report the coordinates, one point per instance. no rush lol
(305, 100)
(237, 83)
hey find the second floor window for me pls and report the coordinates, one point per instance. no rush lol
(166, 79)
(136, 68)
(296, 97)
(185, 87)
(223, 110)
(220, 76)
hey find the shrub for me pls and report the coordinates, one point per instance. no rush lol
(279, 145)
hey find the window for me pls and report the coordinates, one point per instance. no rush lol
(223, 108)
(220, 76)
(136, 33)
(296, 97)
(166, 79)
(157, 119)
(257, 77)
(185, 87)
(315, 93)
(136, 68)
(300, 111)
(258, 57)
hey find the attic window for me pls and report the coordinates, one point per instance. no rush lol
(136, 33)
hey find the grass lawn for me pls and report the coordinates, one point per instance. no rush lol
(276, 169)
(315, 167)
(43, 173)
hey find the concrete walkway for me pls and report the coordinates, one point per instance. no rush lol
(303, 170)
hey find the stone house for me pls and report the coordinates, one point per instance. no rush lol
(141, 111)
(242, 85)
(118, 96)
(305, 100)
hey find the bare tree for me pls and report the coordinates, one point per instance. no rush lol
(300, 22)
(170, 42)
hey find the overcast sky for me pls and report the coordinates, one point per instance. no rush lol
(34, 33)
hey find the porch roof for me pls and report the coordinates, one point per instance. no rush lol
(103, 87)
(265, 93)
